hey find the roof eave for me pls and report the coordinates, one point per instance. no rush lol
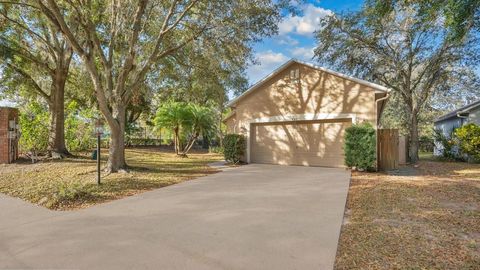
(260, 82)
(280, 68)
(454, 113)
(229, 116)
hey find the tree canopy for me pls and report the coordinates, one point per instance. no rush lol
(35, 61)
(414, 57)
(122, 43)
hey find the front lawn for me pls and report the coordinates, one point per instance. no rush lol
(430, 220)
(71, 183)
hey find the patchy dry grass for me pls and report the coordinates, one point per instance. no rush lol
(71, 183)
(427, 221)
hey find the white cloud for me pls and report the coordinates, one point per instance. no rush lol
(267, 62)
(306, 23)
(269, 57)
(303, 53)
(286, 40)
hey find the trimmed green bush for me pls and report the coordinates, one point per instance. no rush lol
(360, 146)
(468, 137)
(233, 147)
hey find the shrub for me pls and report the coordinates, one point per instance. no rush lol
(215, 149)
(426, 143)
(79, 129)
(469, 140)
(448, 143)
(360, 146)
(34, 123)
(69, 193)
(233, 147)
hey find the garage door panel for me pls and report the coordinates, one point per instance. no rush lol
(299, 143)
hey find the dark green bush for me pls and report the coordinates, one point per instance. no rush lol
(233, 147)
(468, 137)
(360, 146)
(426, 143)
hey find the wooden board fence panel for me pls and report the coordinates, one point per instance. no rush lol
(387, 149)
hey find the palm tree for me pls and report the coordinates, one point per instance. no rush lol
(189, 120)
(173, 115)
(200, 121)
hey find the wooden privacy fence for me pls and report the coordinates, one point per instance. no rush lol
(387, 149)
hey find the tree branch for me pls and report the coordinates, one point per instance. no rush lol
(30, 79)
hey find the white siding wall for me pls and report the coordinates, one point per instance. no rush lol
(446, 127)
(474, 116)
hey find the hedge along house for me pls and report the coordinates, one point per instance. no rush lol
(9, 135)
(298, 114)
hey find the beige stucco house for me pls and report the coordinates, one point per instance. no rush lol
(298, 114)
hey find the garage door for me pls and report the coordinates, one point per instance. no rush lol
(307, 143)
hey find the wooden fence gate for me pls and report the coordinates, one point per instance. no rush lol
(387, 149)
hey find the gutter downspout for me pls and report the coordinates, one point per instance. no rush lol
(376, 103)
(460, 116)
(377, 126)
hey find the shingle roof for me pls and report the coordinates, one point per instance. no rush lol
(455, 112)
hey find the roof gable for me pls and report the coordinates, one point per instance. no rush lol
(454, 113)
(293, 61)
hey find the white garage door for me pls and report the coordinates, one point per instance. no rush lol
(307, 143)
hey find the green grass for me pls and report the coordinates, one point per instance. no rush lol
(427, 156)
(71, 183)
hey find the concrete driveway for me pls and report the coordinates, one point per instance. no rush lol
(252, 217)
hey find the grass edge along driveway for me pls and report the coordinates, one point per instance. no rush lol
(71, 183)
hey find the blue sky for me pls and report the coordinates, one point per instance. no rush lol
(295, 38)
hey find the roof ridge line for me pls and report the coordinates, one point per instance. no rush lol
(293, 60)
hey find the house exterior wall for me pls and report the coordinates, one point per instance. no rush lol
(230, 124)
(446, 127)
(286, 99)
(8, 146)
(316, 93)
(474, 116)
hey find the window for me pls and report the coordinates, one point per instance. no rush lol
(295, 74)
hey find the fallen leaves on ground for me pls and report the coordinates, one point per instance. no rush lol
(71, 183)
(427, 221)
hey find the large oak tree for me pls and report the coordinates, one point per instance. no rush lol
(35, 55)
(400, 49)
(122, 40)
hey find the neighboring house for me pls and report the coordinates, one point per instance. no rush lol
(297, 115)
(455, 119)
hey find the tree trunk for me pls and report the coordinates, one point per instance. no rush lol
(220, 133)
(116, 158)
(56, 141)
(413, 144)
(189, 145)
(176, 140)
